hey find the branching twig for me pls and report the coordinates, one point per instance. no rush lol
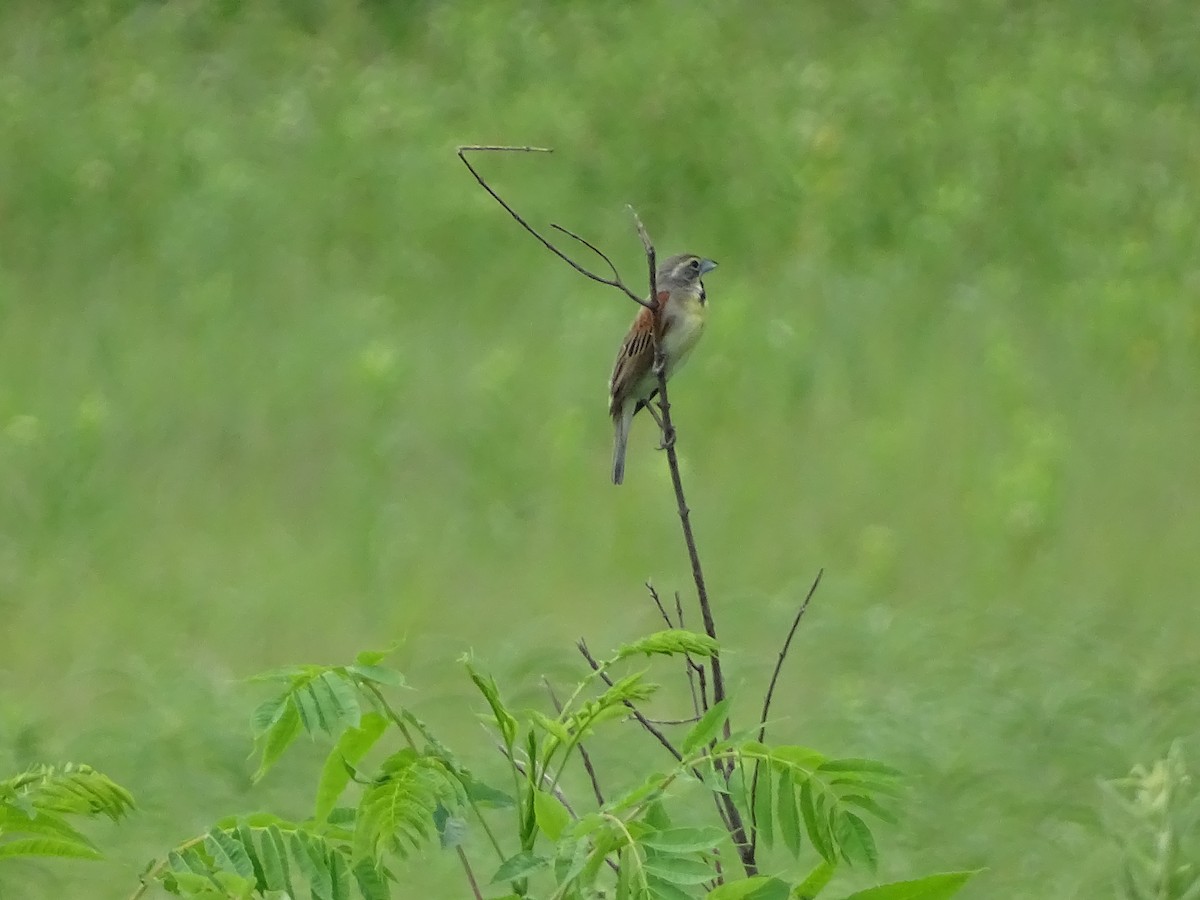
(615, 281)
(766, 709)
(723, 801)
(637, 713)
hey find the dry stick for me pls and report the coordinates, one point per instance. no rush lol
(699, 703)
(658, 602)
(766, 709)
(615, 281)
(737, 828)
(583, 754)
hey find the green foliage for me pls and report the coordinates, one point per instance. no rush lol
(647, 843)
(1154, 815)
(35, 808)
(265, 857)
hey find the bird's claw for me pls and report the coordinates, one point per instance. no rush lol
(667, 442)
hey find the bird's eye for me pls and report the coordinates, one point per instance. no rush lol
(694, 265)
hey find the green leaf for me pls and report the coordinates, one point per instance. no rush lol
(760, 887)
(763, 812)
(40, 822)
(371, 883)
(552, 817)
(670, 643)
(371, 657)
(862, 766)
(801, 760)
(340, 876)
(47, 846)
(310, 857)
(351, 747)
(815, 823)
(684, 840)
(857, 842)
(245, 837)
(378, 675)
(661, 889)
(624, 874)
(678, 869)
(524, 863)
(707, 728)
(872, 806)
(931, 887)
(341, 703)
(268, 713)
(788, 813)
(277, 738)
(506, 723)
(816, 881)
(552, 727)
(227, 853)
(485, 795)
(275, 861)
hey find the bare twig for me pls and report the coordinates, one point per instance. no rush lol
(700, 700)
(583, 754)
(462, 856)
(658, 602)
(783, 652)
(615, 281)
(766, 708)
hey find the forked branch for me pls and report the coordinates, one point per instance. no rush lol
(614, 281)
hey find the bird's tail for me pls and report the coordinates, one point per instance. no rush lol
(620, 439)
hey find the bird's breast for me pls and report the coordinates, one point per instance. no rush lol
(687, 324)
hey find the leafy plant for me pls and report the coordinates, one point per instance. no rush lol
(1153, 814)
(36, 808)
(647, 842)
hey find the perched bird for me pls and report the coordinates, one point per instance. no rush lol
(682, 305)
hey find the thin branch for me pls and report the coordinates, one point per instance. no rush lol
(766, 708)
(462, 856)
(658, 602)
(692, 721)
(783, 652)
(615, 281)
(699, 701)
(583, 754)
(737, 828)
(600, 253)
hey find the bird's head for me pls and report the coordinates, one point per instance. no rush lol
(683, 272)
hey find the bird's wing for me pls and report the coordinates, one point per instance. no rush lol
(634, 360)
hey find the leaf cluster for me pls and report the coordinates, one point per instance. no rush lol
(36, 808)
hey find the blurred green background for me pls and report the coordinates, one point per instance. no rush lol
(278, 382)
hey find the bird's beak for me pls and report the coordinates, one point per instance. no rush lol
(706, 266)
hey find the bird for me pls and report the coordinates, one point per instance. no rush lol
(683, 307)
